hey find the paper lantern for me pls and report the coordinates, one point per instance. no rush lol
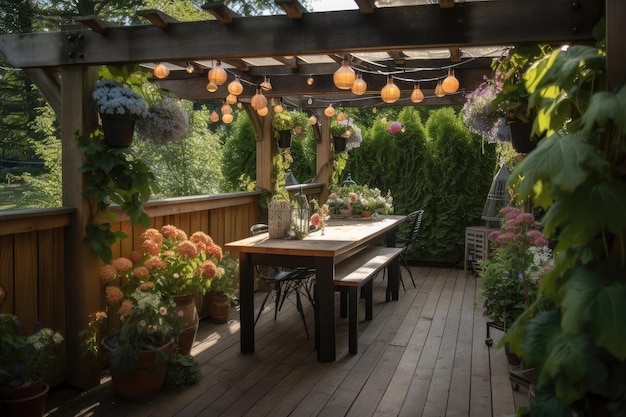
(341, 117)
(329, 111)
(231, 99)
(417, 95)
(161, 71)
(344, 77)
(310, 81)
(227, 118)
(390, 92)
(211, 87)
(263, 111)
(312, 120)
(214, 116)
(235, 87)
(450, 84)
(360, 86)
(258, 101)
(394, 128)
(278, 108)
(226, 109)
(266, 85)
(217, 74)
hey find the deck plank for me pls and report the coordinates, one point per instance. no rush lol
(423, 355)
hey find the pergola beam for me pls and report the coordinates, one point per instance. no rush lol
(293, 8)
(391, 28)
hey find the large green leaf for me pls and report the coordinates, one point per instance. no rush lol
(606, 107)
(595, 301)
(561, 161)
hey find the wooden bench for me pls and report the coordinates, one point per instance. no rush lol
(356, 272)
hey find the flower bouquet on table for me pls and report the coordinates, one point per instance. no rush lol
(320, 215)
(359, 198)
(25, 357)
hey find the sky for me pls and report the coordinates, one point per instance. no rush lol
(330, 5)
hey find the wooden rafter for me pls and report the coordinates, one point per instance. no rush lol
(94, 23)
(293, 8)
(366, 6)
(157, 18)
(221, 12)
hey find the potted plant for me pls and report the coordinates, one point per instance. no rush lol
(119, 106)
(478, 115)
(223, 289)
(175, 266)
(166, 121)
(138, 354)
(345, 134)
(25, 358)
(282, 124)
(576, 175)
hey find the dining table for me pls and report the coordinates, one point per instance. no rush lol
(320, 250)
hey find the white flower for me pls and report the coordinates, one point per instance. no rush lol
(167, 120)
(113, 97)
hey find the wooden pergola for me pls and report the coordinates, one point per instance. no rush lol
(64, 67)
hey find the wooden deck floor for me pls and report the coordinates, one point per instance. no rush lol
(424, 355)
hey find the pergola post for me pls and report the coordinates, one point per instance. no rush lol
(82, 286)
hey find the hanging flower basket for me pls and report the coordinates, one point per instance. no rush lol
(521, 138)
(339, 143)
(118, 130)
(284, 139)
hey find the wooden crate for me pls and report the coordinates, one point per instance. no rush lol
(476, 246)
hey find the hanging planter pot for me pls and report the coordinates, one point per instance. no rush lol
(521, 138)
(339, 143)
(284, 139)
(118, 130)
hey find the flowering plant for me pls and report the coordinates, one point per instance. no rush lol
(149, 322)
(166, 121)
(347, 129)
(522, 257)
(225, 281)
(357, 198)
(319, 217)
(479, 116)
(113, 97)
(24, 357)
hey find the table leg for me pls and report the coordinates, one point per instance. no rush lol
(246, 303)
(325, 309)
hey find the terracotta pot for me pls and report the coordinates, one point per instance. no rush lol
(339, 143)
(143, 382)
(218, 307)
(367, 213)
(284, 138)
(186, 305)
(520, 136)
(118, 130)
(28, 406)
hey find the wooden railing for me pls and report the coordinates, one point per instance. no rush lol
(33, 250)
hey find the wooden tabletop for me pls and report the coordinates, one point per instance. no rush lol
(340, 236)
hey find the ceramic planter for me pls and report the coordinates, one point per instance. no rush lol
(186, 305)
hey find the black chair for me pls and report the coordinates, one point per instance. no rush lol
(414, 221)
(281, 283)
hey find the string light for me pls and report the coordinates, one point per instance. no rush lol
(263, 111)
(214, 116)
(417, 95)
(450, 84)
(190, 69)
(266, 85)
(312, 120)
(217, 74)
(390, 92)
(439, 90)
(344, 77)
(258, 101)
(310, 80)
(278, 108)
(359, 86)
(329, 111)
(227, 113)
(161, 71)
(235, 87)
(341, 117)
(310, 101)
(211, 87)
(231, 99)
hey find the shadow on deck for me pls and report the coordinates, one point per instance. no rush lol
(424, 355)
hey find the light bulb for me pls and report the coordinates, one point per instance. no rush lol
(161, 71)
(214, 116)
(390, 92)
(190, 69)
(278, 108)
(231, 99)
(450, 84)
(341, 117)
(417, 95)
(329, 111)
(263, 111)
(310, 101)
(312, 120)
(226, 109)
(344, 77)
(439, 90)
(310, 81)
(217, 74)
(235, 87)
(227, 118)
(266, 85)
(211, 87)
(360, 86)
(374, 109)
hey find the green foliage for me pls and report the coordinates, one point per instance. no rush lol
(112, 176)
(239, 158)
(189, 166)
(182, 370)
(455, 181)
(577, 344)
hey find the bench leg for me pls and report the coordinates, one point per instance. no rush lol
(353, 319)
(366, 292)
(343, 304)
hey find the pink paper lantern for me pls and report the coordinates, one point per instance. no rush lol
(394, 128)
